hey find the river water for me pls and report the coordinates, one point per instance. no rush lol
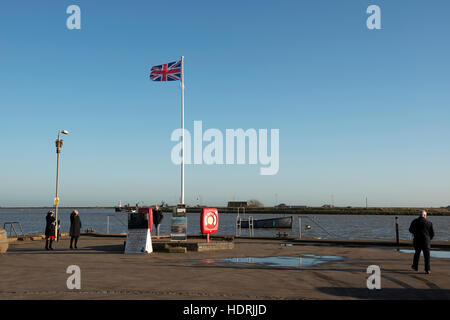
(351, 227)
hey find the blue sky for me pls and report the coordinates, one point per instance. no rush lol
(360, 112)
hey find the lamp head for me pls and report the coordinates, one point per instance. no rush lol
(64, 132)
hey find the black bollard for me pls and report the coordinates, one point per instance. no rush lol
(396, 234)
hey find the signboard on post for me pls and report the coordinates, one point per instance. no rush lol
(179, 224)
(139, 239)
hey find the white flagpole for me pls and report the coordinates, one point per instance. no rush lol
(182, 128)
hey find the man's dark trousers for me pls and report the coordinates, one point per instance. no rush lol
(426, 255)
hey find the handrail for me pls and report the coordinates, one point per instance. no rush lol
(251, 228)
(318, 224)
(11, 228)
(238, 226)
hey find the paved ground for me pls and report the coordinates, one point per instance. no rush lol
(29, 272)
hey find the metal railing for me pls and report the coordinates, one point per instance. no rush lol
(251, 229)
(107, 221)
(12, 228)
(238, 226)
(316, 223)
(243, 211)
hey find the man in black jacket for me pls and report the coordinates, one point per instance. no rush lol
(75, 228)
(423, 232)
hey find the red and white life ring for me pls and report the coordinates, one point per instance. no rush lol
(209, 220)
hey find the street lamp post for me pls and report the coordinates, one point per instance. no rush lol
(59, 144)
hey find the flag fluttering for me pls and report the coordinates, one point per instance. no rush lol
(166, 72)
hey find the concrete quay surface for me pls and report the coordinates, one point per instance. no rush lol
(27, 271)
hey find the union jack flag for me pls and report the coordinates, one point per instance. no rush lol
(166, 72)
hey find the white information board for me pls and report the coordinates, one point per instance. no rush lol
(138, 241)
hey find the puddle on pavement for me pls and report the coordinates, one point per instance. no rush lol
(433, 253)
(305, 260)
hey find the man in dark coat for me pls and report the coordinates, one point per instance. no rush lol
(50, 229)
(75, 227)
(157, 218)
(423, 232)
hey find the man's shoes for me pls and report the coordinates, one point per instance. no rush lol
(427, 272)
(47, 248)
(414, 268)
(71, 248)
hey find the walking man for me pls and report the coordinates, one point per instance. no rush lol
(75, 227)
(423, 232)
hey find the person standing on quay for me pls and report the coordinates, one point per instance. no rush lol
(423, 232)
(157, 218)
(50, 229)
(75, 227)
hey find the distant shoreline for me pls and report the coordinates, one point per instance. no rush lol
(288, 210)
(32, 207)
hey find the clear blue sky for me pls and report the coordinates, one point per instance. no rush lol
(360, 112)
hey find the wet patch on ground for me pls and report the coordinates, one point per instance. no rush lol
(304, 260)
(433, 253)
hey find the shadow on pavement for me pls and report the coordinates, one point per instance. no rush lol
(112, 248)
(116, 248)
(388, 293)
